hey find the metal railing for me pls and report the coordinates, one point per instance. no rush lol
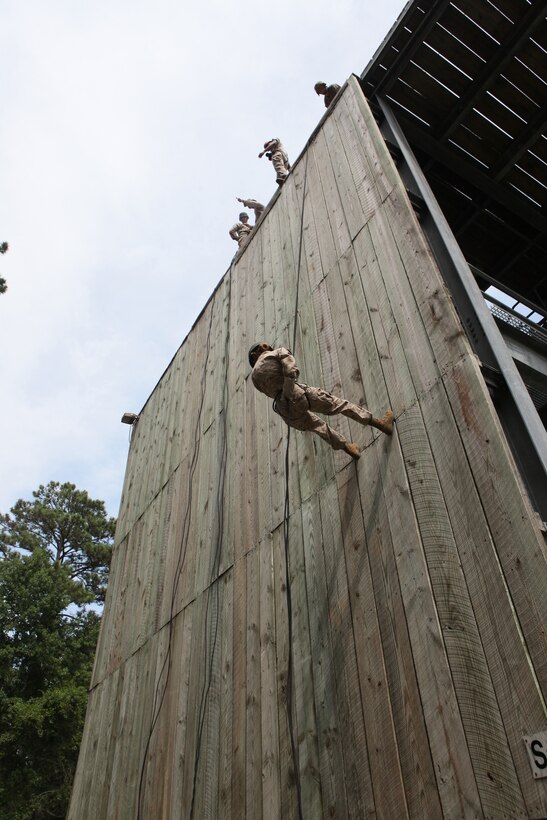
(510, 317)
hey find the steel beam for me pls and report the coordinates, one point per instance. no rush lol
(523, 427)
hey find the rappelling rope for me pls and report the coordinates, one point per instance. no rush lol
(214, 579)
(286, 529)
(165, 672)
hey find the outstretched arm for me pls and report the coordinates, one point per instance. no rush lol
(269, 146)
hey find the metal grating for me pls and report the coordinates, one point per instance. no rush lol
(517, 322)
(467, 80)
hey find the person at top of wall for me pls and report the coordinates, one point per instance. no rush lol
(241, 230)
(279, 158)
(329, 92)
(255, 206)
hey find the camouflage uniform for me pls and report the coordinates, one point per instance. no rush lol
(255, 206)
(332, 91)
(240, 232)
(279, 158)
(275, 374)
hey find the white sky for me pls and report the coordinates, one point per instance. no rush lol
(128, 129)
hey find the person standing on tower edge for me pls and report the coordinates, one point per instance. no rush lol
(241, 230)
(279, 158)
(255, 206)
(327, 91)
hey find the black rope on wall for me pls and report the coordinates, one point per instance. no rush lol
(160, 691)
(286, 532)
(216, 558)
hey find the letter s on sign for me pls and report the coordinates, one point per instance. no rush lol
(539, 755)
(536, 746)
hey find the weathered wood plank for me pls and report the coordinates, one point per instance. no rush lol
(214, 381)
(412, 741)
(286, 221)
(268, 274)
(305, 238)
(373, 169)
(513, 526)
(138, 772)
(253, 744)
(354, 214)
(345, 664)
(514, 682)
(453, 769)
(331, 768)
(192, 780)
(181, 684)
(289, 807)
(226, 700)
(492, 764)
(251, 515)
(318, 231)
(452, 758)
(157, 733)
(271, 785)
(279, 295)
(112, 614)
(203, 521)
(314, 461)
(372, 352)
(420, 275)
(381, 744)
(331, 378)
(304, 723)
(83, 782)
(339, 234)
(208, 706)
(231, 498)
(239, 687)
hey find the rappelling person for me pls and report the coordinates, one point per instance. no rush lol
(255, 206)
(241, 230)
(275, 374)
(279, 158)
(329, 92)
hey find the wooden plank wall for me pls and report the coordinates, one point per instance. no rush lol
(417, 575)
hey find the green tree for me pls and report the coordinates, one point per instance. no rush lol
(56, 555)
(71, 526)
(3, 284)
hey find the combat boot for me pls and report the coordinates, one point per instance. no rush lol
(385, 424)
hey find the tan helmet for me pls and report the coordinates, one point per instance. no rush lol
(252, 352)
(259, 347)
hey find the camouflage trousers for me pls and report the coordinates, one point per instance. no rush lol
(297, 404)
(280, 162)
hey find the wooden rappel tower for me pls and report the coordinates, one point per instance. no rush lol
(413, 633)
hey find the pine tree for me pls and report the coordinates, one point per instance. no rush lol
(56, 554)
(71, 526)
(3, 284)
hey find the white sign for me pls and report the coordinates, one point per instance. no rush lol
(536, 746)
